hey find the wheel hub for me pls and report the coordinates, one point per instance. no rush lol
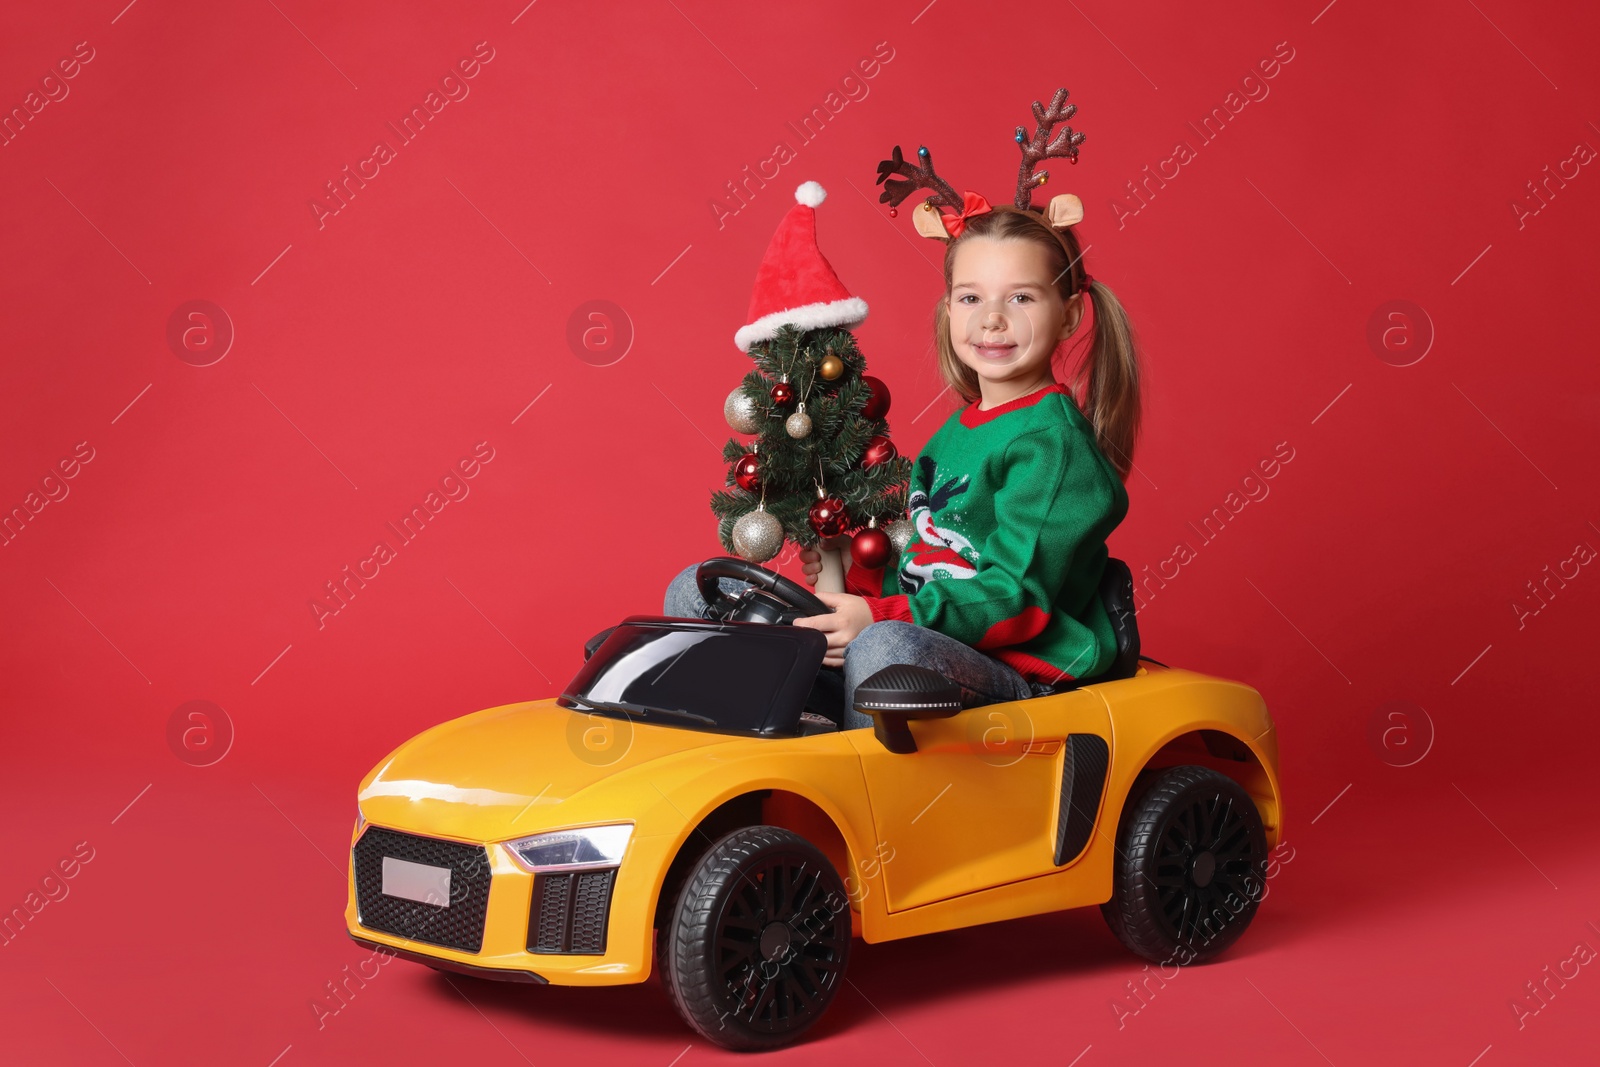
(775, 940)
(1204, 868)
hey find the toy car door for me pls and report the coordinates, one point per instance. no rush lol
(977, 804)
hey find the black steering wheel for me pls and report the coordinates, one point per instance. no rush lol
(770, 598)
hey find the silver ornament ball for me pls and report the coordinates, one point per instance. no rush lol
(757, 536)
(900, 531)
(741, 412)
(798, 425)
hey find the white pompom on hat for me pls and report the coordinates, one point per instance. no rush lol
(795, 285)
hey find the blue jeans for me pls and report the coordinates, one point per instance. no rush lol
(982, 678)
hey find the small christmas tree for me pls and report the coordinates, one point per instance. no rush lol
(822, 463)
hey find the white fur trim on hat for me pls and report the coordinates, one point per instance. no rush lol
(810, 194)
(849, 312)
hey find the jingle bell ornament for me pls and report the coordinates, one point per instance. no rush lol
(741, 413)
(828, 516)
(871, 546)
(877, 405)
(758, 535)
(798, 425)
(747, 473)
(879, 450)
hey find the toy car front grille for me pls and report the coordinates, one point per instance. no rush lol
(458, 924)
(569, 912)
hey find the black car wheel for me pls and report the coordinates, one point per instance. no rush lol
(1191, 866)
(756, 945)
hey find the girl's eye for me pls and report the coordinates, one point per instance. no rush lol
(966, 298)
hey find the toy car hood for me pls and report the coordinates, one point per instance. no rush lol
(509, 767)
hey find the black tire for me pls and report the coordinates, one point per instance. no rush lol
(1191, 866)
(662, 970)
(756, 945)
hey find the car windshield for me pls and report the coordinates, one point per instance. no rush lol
(750, 678)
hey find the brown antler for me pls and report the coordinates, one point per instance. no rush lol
(1042, 146)
(919, 177)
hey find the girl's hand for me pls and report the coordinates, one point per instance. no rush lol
(811, 559)
(849, 617)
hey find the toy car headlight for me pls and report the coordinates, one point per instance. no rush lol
(566, 850)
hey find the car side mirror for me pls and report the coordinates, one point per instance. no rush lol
(902, 692)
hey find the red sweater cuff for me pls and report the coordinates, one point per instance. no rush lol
(869, 586)
(897, 608)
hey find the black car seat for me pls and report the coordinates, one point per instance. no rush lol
(1116, 593)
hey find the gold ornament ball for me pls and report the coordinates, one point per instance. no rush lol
(900, 531)
(758, 535)
(798, 424)
(741, 412)
(832, 367)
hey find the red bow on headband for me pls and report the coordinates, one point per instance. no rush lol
(973, 204)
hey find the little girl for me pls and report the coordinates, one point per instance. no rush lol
(1013, 497)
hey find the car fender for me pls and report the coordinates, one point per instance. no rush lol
(669, 798)
(1159, 725)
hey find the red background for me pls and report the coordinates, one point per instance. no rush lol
(375, 350)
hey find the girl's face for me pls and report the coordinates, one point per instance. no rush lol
(1006, 316)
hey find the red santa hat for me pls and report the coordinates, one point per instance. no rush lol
(796, 285)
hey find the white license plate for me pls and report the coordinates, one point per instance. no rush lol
(416, 881)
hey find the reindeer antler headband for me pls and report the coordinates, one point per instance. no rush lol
(933, 220)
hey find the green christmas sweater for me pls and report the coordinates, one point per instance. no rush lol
(1011, 508)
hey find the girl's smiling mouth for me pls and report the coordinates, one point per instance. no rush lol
(994, 351)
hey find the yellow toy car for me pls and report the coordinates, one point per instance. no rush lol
(677, 809)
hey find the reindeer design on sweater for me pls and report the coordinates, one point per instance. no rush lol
(936, 551)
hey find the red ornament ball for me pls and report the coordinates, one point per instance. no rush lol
(783, 394)
(878, 401)
(747, 473)
(828, 517)
(870, 547)
(879, 450)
